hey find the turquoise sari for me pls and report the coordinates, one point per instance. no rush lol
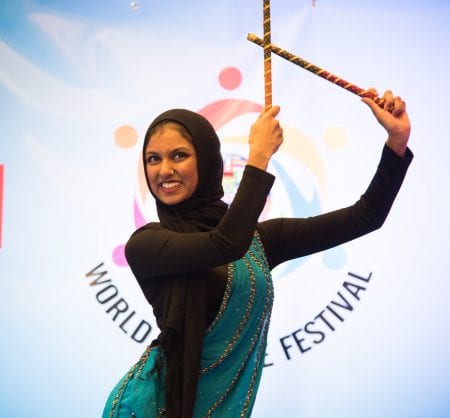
(232, 356)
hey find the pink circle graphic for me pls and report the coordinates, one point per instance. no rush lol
(118, 256)
(230, 78)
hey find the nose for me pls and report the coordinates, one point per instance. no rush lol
(166, 169)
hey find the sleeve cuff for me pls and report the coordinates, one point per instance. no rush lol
(391, 155)
(259, 174)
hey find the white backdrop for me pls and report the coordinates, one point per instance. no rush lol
(360, 331)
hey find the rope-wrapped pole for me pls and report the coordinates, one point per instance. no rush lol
(267, 56)
(318, 71)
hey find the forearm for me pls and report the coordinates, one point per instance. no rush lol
(154, 251)
(285, 239)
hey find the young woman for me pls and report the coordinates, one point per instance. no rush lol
(205, 267)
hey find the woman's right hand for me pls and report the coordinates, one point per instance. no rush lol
(266, 136)
(393, 118)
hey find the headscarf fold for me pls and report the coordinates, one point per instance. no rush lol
(183, 322)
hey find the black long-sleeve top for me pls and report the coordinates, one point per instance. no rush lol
(154, 252)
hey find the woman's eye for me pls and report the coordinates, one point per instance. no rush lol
(151, 159)
(179, 156)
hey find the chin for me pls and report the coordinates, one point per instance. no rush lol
(170, 201)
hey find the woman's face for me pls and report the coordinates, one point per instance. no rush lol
(171, 165)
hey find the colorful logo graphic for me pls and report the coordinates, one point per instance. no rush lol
(297, 147)
(299, 188)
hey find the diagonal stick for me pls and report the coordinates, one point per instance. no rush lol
(267, 56)
(318, 71)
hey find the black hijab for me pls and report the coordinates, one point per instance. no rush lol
(183, 322)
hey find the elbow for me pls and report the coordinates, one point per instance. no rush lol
(371, 225)
(378, 220)
(375, 223)
(367, 219)
(131, 254)
(378, 224)
(137, 258)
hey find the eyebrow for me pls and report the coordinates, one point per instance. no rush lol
(182, 148)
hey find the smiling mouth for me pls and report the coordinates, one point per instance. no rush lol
(170, 185)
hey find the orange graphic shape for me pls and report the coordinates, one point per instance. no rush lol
(125, 136)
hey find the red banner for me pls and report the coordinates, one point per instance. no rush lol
(1, 202)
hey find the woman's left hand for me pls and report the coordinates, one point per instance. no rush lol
(394, 118)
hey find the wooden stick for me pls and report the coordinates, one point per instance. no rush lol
(318, 71)
(267, 56)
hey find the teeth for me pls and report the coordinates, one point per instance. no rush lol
(170, 184)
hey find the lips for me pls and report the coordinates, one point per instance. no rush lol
(170, 185)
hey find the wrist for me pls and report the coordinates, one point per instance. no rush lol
(399, 147)
(261, 164)
(258, 160)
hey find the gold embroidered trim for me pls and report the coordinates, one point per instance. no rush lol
(263, 325)
(229, 348)
(226, 297)
(140, 365)
(269, 304)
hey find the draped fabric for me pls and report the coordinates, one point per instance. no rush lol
(232, 355)
(235, 343)
(184, 312)
(141, 391)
